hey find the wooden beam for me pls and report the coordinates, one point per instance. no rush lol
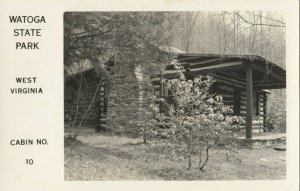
(166, 72)
(233, 81)
(203, 62)
(233, 75)
(269, 85)
(230, 83)
(265, 110)
(268, 81)
(161, 83)
(217, 67)
(189, 58)
(249, 101)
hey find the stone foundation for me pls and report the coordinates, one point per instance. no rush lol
(263, 141)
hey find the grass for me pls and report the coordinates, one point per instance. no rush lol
(110, 157)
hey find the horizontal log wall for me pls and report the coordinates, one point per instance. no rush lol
(86, 94)
(228, 92)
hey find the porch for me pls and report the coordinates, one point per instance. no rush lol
(248, 73)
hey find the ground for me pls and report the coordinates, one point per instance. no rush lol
(113, 157)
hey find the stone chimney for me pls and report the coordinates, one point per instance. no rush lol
(129, 91)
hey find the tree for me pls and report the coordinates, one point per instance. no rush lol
(99, 35)
(238, 32)
(137, 38)
(190, 20)
(145, 122)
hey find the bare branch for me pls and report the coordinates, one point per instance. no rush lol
(268, 18)
(98, 33)
(94, 29)
(89, 107)
(255, 24)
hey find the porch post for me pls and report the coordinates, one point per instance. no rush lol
(249, 101)
(161, 88)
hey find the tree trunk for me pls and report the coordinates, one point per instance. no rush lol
(189, 156)
(189, 162)
(207, 157)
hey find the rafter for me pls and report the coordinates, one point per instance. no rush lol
(269, 71)
(217, 67)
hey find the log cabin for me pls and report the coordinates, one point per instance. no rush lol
(243, 81)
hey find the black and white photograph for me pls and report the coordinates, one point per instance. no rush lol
(174, 95)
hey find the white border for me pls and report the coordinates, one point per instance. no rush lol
(48, 173)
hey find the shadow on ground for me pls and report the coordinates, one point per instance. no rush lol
(111, 157)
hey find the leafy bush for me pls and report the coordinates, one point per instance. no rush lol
(276, 113)
(145, 122)
(199, 119)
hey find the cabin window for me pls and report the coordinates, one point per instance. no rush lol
(161, 90)
(167, 94)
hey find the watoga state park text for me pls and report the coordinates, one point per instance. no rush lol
(36, 32)
(27, 19)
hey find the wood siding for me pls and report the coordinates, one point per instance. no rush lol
(236, 99)
(96, 116)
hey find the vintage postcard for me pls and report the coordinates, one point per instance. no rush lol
(147, 95)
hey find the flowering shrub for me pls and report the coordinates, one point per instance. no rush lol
(145, 122)
(199, 120)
